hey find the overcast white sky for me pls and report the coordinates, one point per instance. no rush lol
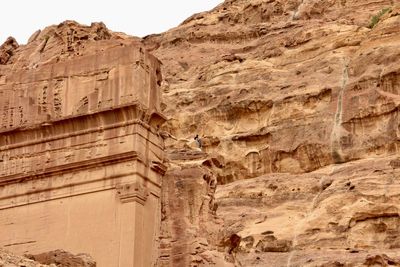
(21, 18)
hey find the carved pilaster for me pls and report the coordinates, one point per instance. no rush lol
(132, 192)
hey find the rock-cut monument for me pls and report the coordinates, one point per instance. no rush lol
(81, 160)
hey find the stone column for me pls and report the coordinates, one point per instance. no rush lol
(133, 197)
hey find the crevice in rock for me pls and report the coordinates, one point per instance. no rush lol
(337, 130)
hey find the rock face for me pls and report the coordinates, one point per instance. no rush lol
(7, 50)
(50, 259)
(63, 258)
(81, 158)
(296, 103)
(8, 259)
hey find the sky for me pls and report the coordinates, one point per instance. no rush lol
(21, 18)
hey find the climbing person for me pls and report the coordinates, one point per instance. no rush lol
(198, 141)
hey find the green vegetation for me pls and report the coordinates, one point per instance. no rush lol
(375, 19)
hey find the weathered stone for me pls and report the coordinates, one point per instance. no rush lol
(81, 159)
(299, 98)
(7, 50)
(8, 259)
(296, 103)
(381, 260)
(63, 258)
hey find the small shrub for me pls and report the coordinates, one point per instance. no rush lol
(375, 19)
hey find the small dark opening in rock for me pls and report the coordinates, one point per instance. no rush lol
(234, 242)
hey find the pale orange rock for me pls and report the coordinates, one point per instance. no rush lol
(63, 258)
(300, 99)
(8, 259)
(7, 50)
(296, 104)
(81, 157)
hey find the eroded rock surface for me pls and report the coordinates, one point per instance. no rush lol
(8, 259)
(7, 50)
(57, 43)
(64, 258)
(81, 157)
(296, 103)
(297, 106)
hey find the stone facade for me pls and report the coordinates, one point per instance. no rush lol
(81, 160)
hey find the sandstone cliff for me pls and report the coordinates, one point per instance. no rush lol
(297, 106)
